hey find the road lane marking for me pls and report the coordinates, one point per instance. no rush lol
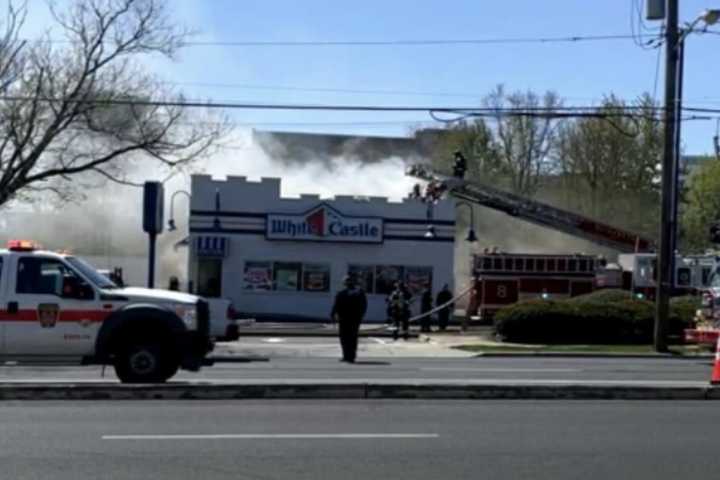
(274, 340)
(276, 436)
(504, 370)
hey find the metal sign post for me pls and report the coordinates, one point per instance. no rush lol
(153, 211)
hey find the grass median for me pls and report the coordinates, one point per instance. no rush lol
(679, 350)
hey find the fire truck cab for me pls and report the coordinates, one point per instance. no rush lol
(56, 307)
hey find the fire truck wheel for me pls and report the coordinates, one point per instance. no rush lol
(145, 363)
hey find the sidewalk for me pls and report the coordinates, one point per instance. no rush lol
(481, 341)
(310, 329)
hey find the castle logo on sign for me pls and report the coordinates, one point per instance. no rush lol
(324, 224)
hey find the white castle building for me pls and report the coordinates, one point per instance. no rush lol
(285, 258)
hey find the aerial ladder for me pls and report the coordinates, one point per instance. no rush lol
(529, 210)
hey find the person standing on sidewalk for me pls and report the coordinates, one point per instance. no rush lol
(426, 305)
(348, 311)
(443, 297)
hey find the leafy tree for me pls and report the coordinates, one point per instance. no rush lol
(611, 165)
(476, 141)
(703, 206)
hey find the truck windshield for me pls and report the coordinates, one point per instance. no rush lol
(89, 272)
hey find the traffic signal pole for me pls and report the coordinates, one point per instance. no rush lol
(666, 253)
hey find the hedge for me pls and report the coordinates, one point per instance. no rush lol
(607, 316)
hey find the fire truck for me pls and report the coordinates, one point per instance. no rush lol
(59, 308)
(503, 278)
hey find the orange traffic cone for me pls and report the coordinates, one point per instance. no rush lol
(715, 379)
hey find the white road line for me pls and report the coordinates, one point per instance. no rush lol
(274, 340)
(275, 436)
(502, 370)
(378, 340)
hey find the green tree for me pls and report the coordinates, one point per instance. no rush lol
(476, 141)
(611, 164)
(702, 207)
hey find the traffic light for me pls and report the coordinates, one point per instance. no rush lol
(715, 233)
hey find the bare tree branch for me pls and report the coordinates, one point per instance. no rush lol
(58, 119)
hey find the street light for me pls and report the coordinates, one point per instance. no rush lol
(471, 236)
(675, 41)
(710, 16)
(171, 222)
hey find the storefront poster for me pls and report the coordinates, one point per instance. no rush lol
(287, 276)
(258, 276)
(418, 279)
(316, 278)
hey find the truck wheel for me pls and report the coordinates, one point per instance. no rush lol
(145, 363)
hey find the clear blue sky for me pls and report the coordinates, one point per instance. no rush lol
(580, 72)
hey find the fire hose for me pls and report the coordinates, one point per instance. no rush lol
(441, 307)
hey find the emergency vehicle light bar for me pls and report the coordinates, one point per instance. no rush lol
(21, 245)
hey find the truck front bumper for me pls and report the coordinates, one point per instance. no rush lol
(194, 347)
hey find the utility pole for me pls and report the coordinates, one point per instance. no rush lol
(666, 254)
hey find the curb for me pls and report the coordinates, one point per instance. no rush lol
(382, 333)
(651, 356)
(354, 391)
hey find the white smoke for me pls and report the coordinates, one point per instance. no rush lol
(107, 223)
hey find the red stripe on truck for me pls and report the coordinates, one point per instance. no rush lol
(94, 316)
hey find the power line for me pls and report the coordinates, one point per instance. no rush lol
(397, 42)
(470, 111)
(242, 86)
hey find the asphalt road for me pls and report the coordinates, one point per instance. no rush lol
(630, 370)
(359, 440)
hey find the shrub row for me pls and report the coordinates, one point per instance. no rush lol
(609, 316)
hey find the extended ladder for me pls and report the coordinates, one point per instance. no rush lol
(535, 212)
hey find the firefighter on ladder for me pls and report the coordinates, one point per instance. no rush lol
(460, 166)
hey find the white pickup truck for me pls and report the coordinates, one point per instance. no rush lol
(56, 307)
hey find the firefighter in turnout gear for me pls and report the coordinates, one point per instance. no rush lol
(348, 310)
(399, 307)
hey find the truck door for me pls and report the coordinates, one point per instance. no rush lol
(52, 310)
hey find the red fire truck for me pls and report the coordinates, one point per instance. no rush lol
(505, 278)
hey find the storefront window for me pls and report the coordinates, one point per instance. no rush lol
(316, 277)
(258, 276)
(365, 276)
(287, 276)
(385, 278)
(418, 279)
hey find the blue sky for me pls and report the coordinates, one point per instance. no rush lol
(580, 72)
